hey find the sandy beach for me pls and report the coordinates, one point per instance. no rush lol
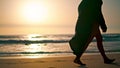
(92, 61)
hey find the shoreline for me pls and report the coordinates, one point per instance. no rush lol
(49, 56)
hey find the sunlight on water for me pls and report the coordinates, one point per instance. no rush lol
(34, 48)
(37, 45)
(33, 37)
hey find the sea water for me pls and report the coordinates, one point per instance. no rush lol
(36, 45)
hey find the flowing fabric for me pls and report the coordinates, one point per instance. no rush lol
(89, 19)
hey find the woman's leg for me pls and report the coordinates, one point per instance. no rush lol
(101, 49)
(77, 59)
(100, 45)
(78, 52)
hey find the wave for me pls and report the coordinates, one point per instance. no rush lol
(111, 37)
(54, 52)
(31, 42)
(32, 53)
(24, 39)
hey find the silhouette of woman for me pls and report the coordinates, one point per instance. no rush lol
(87, 27)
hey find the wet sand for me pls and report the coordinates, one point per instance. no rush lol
(92, 61)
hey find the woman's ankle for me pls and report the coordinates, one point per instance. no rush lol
(109, 61)
(78, 61)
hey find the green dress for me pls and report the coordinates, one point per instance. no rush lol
(89, 14)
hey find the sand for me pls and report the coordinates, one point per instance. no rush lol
(92, 61)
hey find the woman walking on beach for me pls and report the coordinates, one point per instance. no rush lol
(87, 27)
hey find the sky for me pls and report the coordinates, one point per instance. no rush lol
(50, 16)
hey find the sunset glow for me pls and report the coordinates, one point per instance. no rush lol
(34, 12)
(50, 16)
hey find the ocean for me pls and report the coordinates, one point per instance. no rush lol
(37, 45)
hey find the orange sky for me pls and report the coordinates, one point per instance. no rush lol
(49, 16)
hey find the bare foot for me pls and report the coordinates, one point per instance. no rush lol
(78, 62)
(109, 61)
